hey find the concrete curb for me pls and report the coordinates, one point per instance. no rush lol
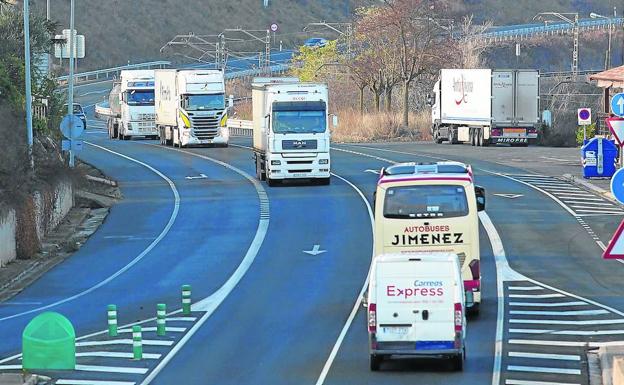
(598, 190)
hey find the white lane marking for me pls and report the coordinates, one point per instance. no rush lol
(148, 356)
(565, 343)
(536, 296)
(111, 369)
(531, 331)
(527, 382)
(137, 259)
(541, 369)
(566, 322)
(92, 382)
(315, 250)
(588, 332)
(578, 196)
(589, 203)
(553, 197)
(525, 288)
(599, 206)
(124, 341)
(562, 357)
(10, 367)
(356, 306)
(185, 319)
(561, 313)
(172, 329)
(19, 303)
(212, 302)
(548, 304)
(601, 211)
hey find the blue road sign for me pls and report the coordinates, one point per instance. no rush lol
(617, 185)
(617, 104)
(71, 126)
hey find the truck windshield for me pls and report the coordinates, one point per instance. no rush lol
(299, 122)
(430, 201)
(203, 102)
(140, 97)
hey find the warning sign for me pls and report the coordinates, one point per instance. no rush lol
(615, 250)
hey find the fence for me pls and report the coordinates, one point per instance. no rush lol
(108, 72)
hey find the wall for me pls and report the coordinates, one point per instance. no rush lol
(50, 209)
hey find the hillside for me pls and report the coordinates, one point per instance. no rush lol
(118, 31)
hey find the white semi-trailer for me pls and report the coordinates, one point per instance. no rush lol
(290, 130)
(484, 106)
(132, 103)
(191, 107)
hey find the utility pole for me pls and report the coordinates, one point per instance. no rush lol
(70, 87)
(267, 51)
(28, 84)
(572, 19)
(611, 27)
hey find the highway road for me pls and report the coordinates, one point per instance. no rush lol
(268, 312)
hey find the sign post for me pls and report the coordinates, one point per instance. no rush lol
(584, 119)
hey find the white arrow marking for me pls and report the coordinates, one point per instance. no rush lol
(315, 250)
(201, 176)
(620, 104)
(376, 172)
(510, 196)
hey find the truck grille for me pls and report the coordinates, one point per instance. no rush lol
(147, 116)
(205, 127)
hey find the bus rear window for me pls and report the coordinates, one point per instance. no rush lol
(425, 202)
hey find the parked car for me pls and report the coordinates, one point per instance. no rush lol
(315, 42)
(78, 111)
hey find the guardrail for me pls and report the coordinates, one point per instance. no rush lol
(107, 72)
(537, 29)
(239, 127)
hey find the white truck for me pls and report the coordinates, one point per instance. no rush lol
(132, 103)
(191, 107)
(484, 106)
(291, 130)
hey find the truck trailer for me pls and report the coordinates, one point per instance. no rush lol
(484, 106)
(191, 107)
(290, 130)
(132, 104)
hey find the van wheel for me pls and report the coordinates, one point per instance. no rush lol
(458, 361)
(474, 310)
(375, 362)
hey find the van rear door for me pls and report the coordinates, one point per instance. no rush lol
(415, 302)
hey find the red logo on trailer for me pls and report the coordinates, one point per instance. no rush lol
(615, 250)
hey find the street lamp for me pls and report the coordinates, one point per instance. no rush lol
(27, 77)
(597, 16)
(573, 19)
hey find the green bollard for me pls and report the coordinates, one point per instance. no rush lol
(112, 320)
(137, 343)
(186, 299)
(161, 312)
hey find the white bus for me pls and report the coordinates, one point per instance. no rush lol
(432, 208)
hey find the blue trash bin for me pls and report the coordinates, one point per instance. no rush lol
(599, 156)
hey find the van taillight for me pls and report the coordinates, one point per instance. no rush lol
(458, 317)
(475, 269)
(372, 318)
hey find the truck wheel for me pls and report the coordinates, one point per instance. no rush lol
(452, 136)
(458, 361)
(473, 137)
(375, 362)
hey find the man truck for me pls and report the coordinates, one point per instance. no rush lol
(484, 106)
(132, 104)
(291, 130)
(191, 107)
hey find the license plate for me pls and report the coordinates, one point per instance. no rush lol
(514, 131)
(400, 330)
(299, 175)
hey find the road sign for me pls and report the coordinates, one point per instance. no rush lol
(274, 27)
(584, 116)
(616, 126)
(617, 185)
(615, 250)
(74, 145)
(71, 126)
(617, 104)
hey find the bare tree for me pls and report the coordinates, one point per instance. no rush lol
(470, 46)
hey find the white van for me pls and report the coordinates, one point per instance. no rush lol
(416, 308)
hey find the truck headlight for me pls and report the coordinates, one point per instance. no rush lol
(323, 161)
(275, 163)
(129, 126)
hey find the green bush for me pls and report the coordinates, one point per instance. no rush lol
(591, 132)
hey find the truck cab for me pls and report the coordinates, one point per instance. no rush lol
(291, 130)
(136, 104)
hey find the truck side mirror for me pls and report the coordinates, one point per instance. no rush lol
(480, 194)
(335, 120)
